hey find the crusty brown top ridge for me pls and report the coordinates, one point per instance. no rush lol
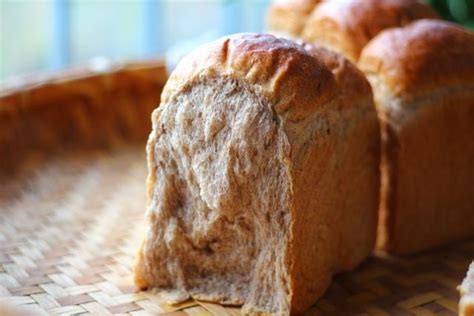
(281, 69)
(422, 56)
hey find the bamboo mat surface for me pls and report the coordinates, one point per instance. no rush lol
(70, 229)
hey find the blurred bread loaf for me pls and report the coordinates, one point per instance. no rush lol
(423, 81)
(346, 26)
(263, 175)
(286, 18)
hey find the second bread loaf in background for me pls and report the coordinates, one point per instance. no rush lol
(423, 81)
(346, 26)
(286, 18)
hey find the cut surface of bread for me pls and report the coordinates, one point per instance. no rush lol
(346, 26)
(254, 144)
(466, 304)
(423, 81)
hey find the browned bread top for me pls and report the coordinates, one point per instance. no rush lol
(351, 81)
(294, 80)
(422, 56)
(305, 6)
(287, 16)
(348, 25)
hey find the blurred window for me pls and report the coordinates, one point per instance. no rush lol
(39, 35)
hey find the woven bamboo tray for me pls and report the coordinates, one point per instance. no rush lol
(70, 224)
(69, 233)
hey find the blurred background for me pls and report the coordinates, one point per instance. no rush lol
(40, 35)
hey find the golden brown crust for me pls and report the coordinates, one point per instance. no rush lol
(288, 17)
(347, 26)
(362, 148)
(423, 79)
(351, 81)
(79, 107)
(427, 161)
(275, 65)
(420, 57)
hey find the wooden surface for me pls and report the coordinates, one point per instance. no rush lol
(69, 231)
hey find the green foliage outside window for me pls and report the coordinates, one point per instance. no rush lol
(460, 11)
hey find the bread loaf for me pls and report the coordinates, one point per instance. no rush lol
(346, 26)
(423, 81)
(263, 176)
(466, 304)
(286, 18)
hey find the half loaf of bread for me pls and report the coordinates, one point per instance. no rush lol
(263, 175)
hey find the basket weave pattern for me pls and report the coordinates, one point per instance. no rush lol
(69, 234)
